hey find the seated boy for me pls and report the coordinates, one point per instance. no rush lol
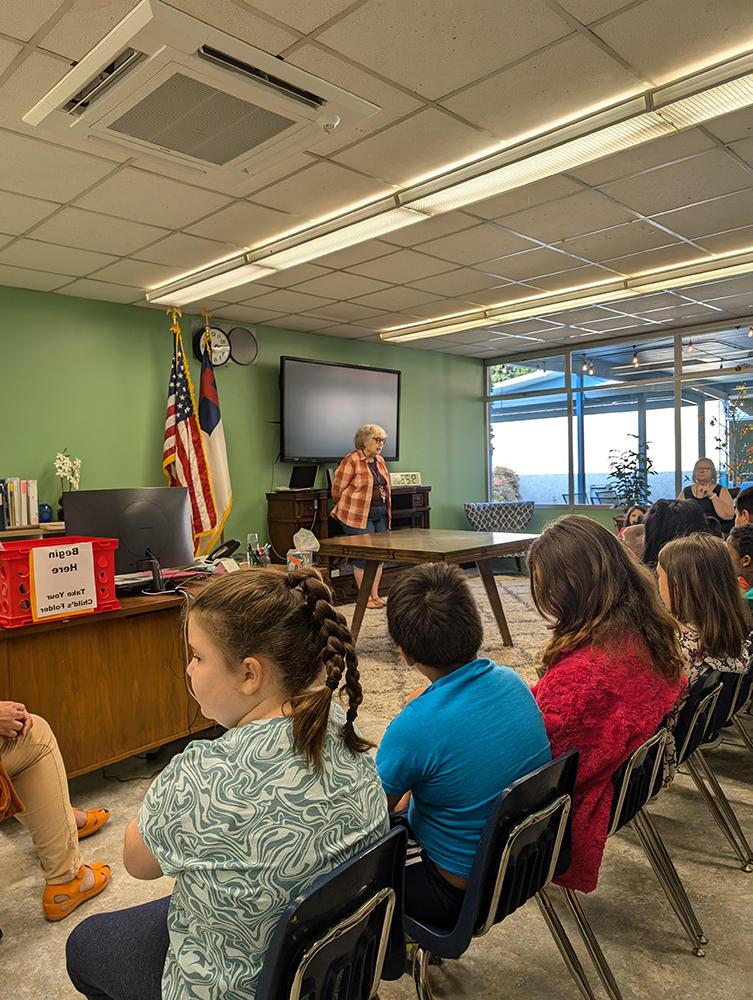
(472, 732)
(740, 546)
(744, 507)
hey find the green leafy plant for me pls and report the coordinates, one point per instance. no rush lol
(733, 437)
(505, 484)
(629, 470)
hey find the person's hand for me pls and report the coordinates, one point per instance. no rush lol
(14, 719)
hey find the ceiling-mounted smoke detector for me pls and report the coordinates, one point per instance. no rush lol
(164, 84)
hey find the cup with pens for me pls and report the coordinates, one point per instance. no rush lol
(256, 554)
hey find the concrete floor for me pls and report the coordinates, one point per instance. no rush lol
(649, 955)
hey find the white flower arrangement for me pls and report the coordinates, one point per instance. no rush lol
(68, 470)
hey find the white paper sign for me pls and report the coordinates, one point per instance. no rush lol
(62, 580)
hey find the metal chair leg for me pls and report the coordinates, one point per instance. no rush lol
(745, 735)
(720, 808)
(421, 974)
(564, 944)
(669, 880)
(594, 949)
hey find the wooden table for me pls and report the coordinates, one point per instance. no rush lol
(111, 685)
(420, 545)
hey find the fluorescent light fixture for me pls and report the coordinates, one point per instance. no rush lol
(697, 274)
(207, 283)
(709, 104)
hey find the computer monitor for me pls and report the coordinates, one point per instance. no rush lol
(157, 518)
(303, 477)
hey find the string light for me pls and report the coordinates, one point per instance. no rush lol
(635, 358)
(721, 364)
(584, 366)
(690, 345)
(750, 332)
(590, 368)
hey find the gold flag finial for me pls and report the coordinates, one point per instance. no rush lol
(206, 339)
(174, 315)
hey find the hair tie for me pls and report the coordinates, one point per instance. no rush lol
(332, 682)
(292, 580)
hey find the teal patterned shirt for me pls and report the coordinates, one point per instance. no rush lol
(243, 825)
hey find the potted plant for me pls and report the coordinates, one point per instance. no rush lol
(733, 438)
(629, 470)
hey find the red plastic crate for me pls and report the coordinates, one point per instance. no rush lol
(15, 599)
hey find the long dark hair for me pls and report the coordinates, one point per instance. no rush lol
(584, 581)
(289, 619)
(704, 593)
(668, 519)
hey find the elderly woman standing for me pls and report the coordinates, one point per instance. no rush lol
(361, 491)
(713, 499)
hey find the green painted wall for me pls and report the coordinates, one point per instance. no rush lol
(92, 377)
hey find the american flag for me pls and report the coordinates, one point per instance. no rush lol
(183, 459)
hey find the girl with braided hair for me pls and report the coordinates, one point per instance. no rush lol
(247, 821)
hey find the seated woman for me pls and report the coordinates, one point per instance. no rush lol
(247, 821)
(34, 789)
(668, 519)
(705, 492)
(613, 668)
(698, 585)
(633, 515)
(740, 548)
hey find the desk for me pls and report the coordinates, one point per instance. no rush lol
(419, 545)
(111, 685)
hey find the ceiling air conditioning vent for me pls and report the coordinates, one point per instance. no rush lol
(164, 84)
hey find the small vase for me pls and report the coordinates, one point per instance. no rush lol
(60, 509)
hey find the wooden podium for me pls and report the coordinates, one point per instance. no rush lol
(289, 511)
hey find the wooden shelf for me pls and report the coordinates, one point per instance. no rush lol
(33, 531)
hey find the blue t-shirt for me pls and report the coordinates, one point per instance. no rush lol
(468, 736)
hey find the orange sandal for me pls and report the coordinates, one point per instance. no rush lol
(95, 819)
(61, 900)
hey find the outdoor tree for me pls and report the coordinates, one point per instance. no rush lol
(733, 437)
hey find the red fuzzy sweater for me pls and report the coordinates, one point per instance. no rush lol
(603, 703)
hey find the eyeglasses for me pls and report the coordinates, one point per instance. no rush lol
(379, 440)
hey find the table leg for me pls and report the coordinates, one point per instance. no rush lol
(363, 595)
(490, 586)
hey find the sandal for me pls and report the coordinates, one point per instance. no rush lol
(61, 900)
(375, 602)
(95, 819)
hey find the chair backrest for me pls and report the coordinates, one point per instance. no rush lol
(637, 780)
(693, 725)
(499, 515)
(744, 691)
(525, 843)
(338, 938)
(603, 494)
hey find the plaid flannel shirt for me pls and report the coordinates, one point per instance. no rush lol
(352, 489)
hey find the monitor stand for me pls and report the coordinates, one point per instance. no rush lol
(151, 562)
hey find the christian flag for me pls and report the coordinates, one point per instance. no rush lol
(183, 459)
(213, 436)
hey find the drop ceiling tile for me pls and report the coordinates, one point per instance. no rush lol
(713, 290)
(526, 327)
(283, 301)
(183, 252)
(339, 285)
(321, 189)
(266, 176)
(85, 23)
(245, 225)
(23, 18)
(612, 325)
(524, 197)
(591, 10)
(8, 52)
(384, 320)
(744, 149)
(18, 213)
(531, 264)
(395, 299)
(736, 304)
(652, 260)
(669, 149)
(249, 314)
(244, 293)
(329, 66)
(425, 144)
(434, 46)
(30, 81)
(647, 303)
(564, 82)
(56, 259)
(567, 217)
(348, 312)
(709, 175)
(501, 294)
(147, 197)
(88, 288)
(92, 231)
(402, 267)
(305, 323)
(19, 277)
(461, 281)
(617, 242)
(573, 278)
(691, 310)
(730, 128)
(470, 246)
(304, 17)
(345, 331)
(137, 273)
(368, 250)
(42, 170)
(733, 239)
(295, 275)
(716, 216)
(669, 38)
(443, 307)
(240, 22)
(432, 229)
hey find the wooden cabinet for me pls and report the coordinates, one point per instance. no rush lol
(289, 511)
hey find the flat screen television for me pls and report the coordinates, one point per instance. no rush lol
(157, 518)
(322, 404)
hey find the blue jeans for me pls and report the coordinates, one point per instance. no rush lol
(120, 955)
(377, 521)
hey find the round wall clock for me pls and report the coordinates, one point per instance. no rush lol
(219, 345)
(243, 346)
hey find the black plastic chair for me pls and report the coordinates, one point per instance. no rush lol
(525, 843)
(343, 934)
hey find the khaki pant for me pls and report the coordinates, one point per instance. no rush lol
(35, 767)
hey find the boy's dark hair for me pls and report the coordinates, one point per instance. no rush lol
(432, 616)
(669, 519)
(742, 538)
(744, 500)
